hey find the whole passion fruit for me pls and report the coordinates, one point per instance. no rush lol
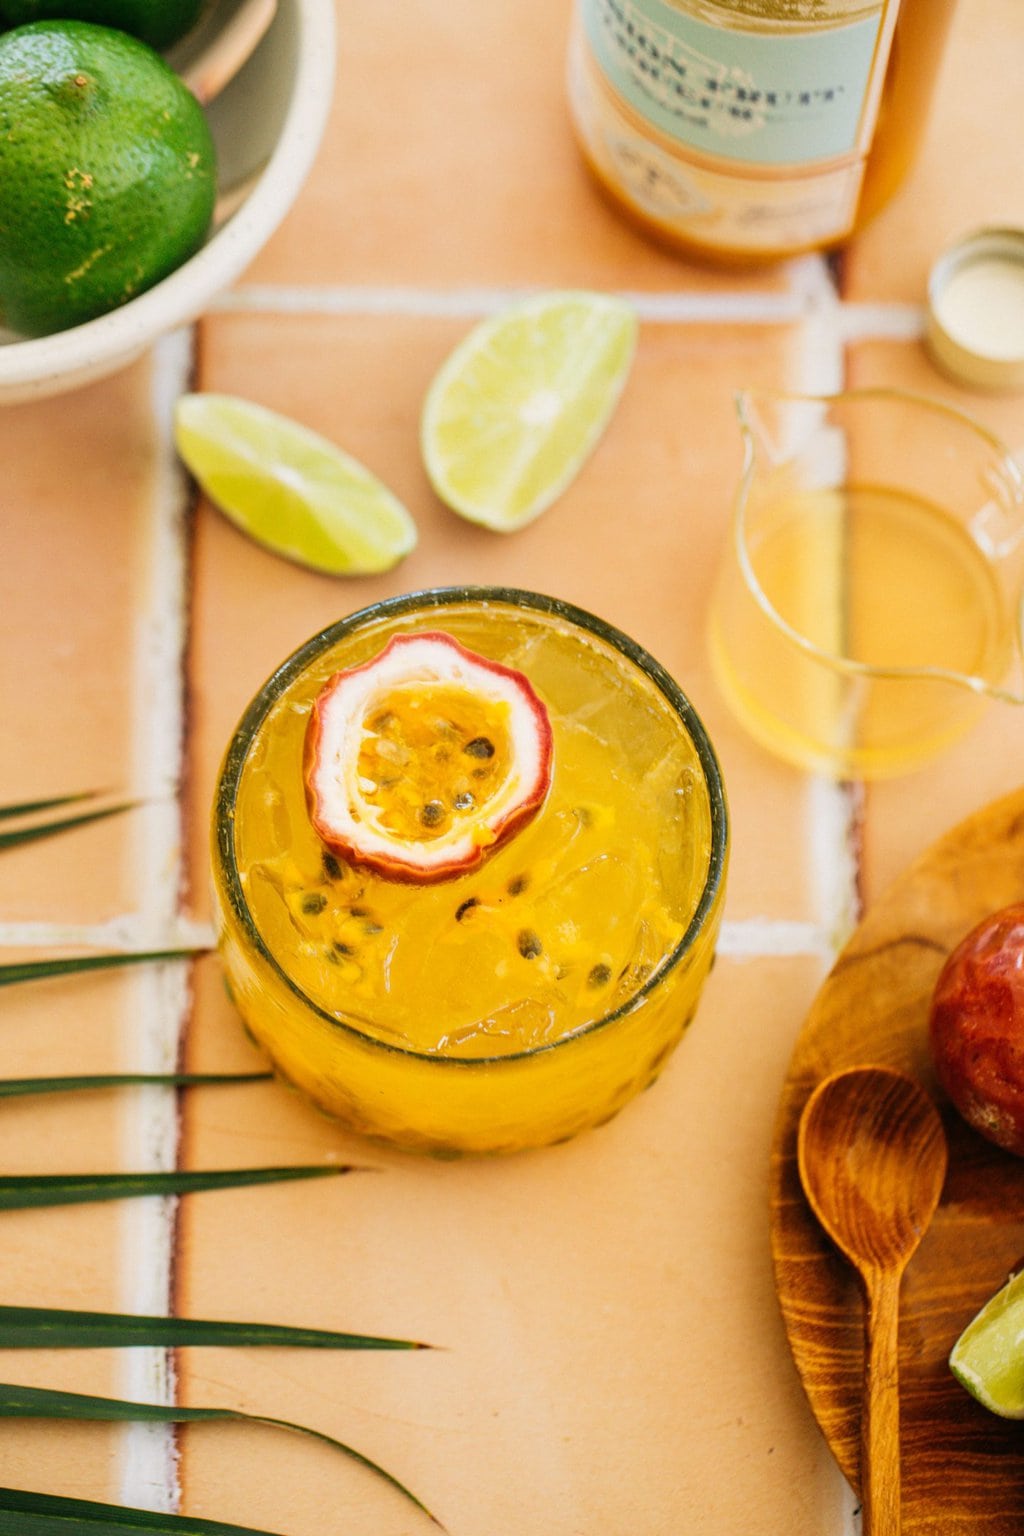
(422, 760)
(976, 1028)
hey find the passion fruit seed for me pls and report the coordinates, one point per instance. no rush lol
(479, 747)
(385, 748)
(353, 928)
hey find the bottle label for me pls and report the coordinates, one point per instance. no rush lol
(753, 97)
(746, 141)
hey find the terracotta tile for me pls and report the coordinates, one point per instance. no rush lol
(68, 1026)
(82, 1255)
(900, 825)
(966, 175)
(62, 1256)
(404, 192)
(70, 1460)
(79, 480)
(525, 1417)
(906, 365)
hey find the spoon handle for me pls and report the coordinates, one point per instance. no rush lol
(880, 1410)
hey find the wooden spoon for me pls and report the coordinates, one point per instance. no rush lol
(872, 1159)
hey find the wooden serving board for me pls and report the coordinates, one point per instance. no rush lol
(963, 1467)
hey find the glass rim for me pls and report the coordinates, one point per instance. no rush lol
(439, 598)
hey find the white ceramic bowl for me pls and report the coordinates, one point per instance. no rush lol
(267, 124)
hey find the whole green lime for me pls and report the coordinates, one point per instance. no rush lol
(158, 22)
(107, 170)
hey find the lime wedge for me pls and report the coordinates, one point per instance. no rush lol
(988, 1357)
(521, 402)
(290, 489)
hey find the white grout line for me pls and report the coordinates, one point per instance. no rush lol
(884, 322)
(833, 814)
(471, 303)
(157, 997)
(809, 290)
(832, 808)
(760, 938)
(129, 931)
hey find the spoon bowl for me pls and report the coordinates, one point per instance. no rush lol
(872, 1158)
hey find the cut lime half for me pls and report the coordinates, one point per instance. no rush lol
(521, 402)
(289, 488)
(988, 1357)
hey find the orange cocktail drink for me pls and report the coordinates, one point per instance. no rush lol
(489, 1000)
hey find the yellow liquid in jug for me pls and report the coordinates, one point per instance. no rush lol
(874, 577)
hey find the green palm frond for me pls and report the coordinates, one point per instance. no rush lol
(38, 830)
(32, 807)
(25, 1191)
(60, 1328)
(23, 1513)
(15, 971)
(20, 1087)
(18, 1402)
(28, 1513)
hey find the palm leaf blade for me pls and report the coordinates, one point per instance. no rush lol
(63, 824)
(28, 1191)
(18, 1402)
(30, 807)
(57, 1328)
(24, 1513)
(19, 1087)
(37, 970)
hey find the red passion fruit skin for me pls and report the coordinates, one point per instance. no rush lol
(976, 1028)
(343, 704)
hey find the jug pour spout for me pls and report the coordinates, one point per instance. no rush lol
(801, 434)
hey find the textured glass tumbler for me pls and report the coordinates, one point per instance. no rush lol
(483, 1100)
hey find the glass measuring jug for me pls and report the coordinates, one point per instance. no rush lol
(868, 603)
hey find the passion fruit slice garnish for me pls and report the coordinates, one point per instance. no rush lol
(421, 761)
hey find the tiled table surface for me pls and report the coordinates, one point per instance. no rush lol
(613, 1361)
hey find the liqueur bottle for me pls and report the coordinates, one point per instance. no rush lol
(750, 130)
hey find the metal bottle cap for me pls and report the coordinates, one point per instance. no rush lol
(975, 320)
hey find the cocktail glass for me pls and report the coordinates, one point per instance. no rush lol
(523, 1002)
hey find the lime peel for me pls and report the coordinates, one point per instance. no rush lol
(156, 22)
(522, 401)
(988, 1357)
(291, 490)
(108, 170)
